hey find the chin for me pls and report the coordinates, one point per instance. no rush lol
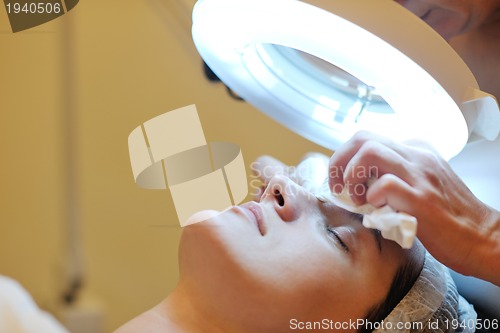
(201, 216)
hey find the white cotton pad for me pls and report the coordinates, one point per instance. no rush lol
(396, 226)
(393, 225)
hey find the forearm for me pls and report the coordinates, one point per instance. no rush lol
(488, 263)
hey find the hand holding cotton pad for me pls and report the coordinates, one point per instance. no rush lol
(396, 226)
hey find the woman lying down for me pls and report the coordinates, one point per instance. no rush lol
(292, 262)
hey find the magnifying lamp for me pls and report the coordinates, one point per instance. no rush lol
(328, 68)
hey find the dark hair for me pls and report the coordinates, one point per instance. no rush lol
(404, 279)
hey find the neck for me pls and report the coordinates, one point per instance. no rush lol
(178, 313)
(183, 313)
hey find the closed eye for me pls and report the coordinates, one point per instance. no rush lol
(336, 237)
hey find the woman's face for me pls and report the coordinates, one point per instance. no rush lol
(290, 256)
(452, 17)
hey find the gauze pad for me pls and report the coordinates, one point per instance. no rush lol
(393, 225)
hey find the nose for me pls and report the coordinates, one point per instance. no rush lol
(285, 196)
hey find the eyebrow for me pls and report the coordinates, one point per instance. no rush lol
(374, 232)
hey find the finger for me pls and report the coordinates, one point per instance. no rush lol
(433, 222)
(393, 191)
(372, 161)
(340, 159)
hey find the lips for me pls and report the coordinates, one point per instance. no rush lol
(254, 213)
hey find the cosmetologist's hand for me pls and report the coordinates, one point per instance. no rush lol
(456, 227)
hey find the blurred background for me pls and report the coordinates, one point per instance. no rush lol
(88, 244)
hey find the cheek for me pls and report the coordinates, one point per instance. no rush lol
(229, 250)
(211, 266)
(352, 293)
(323, 287)
(306, 268)
(203, 252)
